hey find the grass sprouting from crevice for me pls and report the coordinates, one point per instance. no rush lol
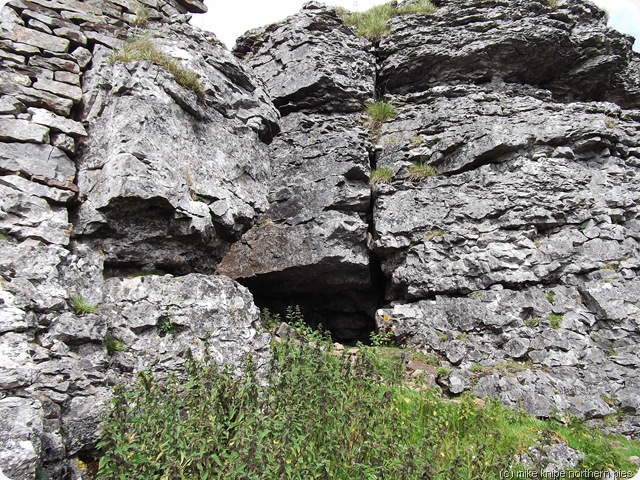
(419, 172)
(82, 306)
(143, 49)
(373, 23)
(381, 175)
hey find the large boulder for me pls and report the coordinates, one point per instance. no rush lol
(176, 204)
(564, 47)
(311, 61)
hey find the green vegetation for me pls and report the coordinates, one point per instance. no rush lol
(551, 297)
(379, 112)
(533, 321)
(390, 140)
(222, 424)
(553, 3)
(143, 49)
(424, 7)
(611, 123)
(419, 172)
(555, 320)
(373, 23)
(114, 345)
(381, 175)
(382, 338)
(443, 371)
(3, 236)
(142, 16)
(82, 306)
(165, 325)
(417, 140)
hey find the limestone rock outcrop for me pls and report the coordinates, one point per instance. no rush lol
(517, 263)
(112, 176)
(141, 217)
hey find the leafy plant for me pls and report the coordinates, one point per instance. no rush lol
(419, 172)
(165, 325)
(381, 175)
(322, 415)
(144, 50)
(82, 305)
(114, 345)
(382, 338)
(269, 320)
(555, 320)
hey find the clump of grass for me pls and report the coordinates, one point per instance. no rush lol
(82, 306)
(3, 236)
(144, 50)
(424, 7)
(417, 140)
(381, 175)
(555, 320)
(551, 297)
(373, 23)
(533, 322)
(443, 372)
(114, 345)
(142, 16)
(419, 172)
(379, 112)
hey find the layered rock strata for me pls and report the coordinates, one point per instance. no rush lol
(112, 175)
(517, 263)
(128, 200)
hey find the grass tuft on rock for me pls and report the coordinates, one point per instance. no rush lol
(381, 175)
(419, 172)
(143, 49)
(373, 23)
(82, 306)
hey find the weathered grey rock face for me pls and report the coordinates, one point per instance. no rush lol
(202, 161)
(311, 62)
(315, 224)
(172, 179)
(566, 48)
(310, 247)
(530, 191)
(518, 263)
(158, 318)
